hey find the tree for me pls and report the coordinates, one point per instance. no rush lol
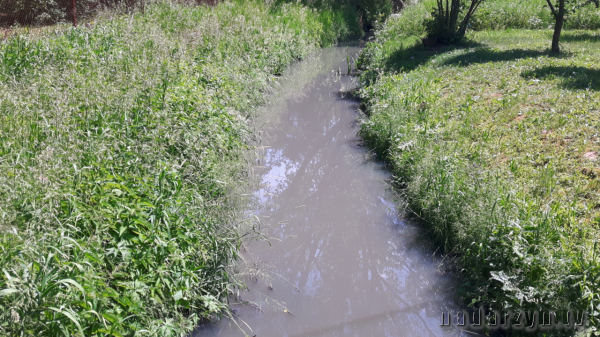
(444, 25)
(559, 12)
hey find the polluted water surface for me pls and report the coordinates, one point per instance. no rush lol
(339, 260)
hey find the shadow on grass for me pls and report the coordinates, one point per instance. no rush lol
(579, 37)
(571, 77)
(485, 55)
(404, 60)
(407, 59)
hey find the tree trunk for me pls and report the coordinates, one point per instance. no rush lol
(463, 26)
(445, 26)
(556, 36)
(560, 19)
(74, 7)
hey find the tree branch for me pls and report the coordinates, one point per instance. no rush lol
(552, 9)
(472, 9)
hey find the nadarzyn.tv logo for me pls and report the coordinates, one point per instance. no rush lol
(524, 321)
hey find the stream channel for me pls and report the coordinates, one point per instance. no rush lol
(341, 262)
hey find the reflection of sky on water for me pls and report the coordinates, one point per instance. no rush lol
(313, 282)
(275, 180)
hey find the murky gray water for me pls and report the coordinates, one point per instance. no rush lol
(341, 261)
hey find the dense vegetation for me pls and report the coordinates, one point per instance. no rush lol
(494, 144)
(44, 12)
(121, 144)
(532, 14)
(502, 14)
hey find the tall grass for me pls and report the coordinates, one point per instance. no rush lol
(532, 14)
(488, 142)
(502, 14)
(120, 147)
(339, 18)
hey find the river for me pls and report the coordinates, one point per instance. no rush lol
(341, 261)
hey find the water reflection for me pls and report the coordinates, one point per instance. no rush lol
(341, 261)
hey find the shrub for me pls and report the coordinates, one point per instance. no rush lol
(449, 20)
(38, 12)
(373, 11)
(339, 18)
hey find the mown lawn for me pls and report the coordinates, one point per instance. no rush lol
(495, 145)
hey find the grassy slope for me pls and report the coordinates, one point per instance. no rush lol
(120, 145)
(487, 141)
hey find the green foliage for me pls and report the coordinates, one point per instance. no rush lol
(501, 14)
(350, 12)
(532, 14)
(488, 143)
(339, 18)
(120, 147)
(449, 20)
(495, 14)
(373, 11)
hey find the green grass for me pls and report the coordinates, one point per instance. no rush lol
(339, 18)
(531, 14)
(488, 143)
(503, 14)
(121, 148)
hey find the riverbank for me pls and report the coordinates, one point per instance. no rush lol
(495, 145)
(121, 146)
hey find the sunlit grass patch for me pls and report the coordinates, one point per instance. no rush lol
(494, 144)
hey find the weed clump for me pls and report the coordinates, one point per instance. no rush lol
(120, 146)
